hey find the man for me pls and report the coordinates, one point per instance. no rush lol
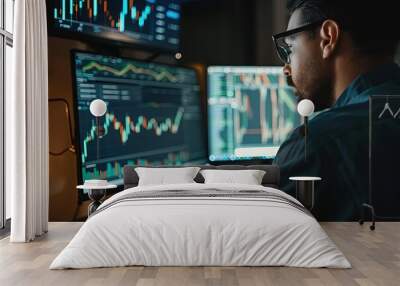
(337, 54)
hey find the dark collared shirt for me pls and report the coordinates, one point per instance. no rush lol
(338, 148)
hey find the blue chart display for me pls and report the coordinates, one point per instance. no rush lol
(148, 22)
(251, 111)
(153, 115)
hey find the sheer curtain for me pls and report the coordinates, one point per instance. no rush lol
(27, 124)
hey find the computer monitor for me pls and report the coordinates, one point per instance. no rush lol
(150, 23)
(153, 115)
(251, 111)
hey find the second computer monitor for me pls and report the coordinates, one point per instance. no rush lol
(251, 111)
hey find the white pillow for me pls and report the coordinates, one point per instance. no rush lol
(163, 176)
(248, 177)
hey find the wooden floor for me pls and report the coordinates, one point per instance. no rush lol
(375, 257)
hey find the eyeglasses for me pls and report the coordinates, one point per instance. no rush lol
(282, 47)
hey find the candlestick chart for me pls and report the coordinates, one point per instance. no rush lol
(153, 115)
(150, 22)
(251, 112)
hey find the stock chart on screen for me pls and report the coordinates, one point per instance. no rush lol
(153, 115)
(251, 111)
(146, 22)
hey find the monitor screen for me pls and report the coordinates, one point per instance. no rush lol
(153, 115)
(144, 22)
(251, 111)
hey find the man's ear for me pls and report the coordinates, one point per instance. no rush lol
(330, 34)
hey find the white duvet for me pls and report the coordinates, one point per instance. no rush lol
(200, 231)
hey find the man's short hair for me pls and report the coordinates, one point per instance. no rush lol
(371, 24)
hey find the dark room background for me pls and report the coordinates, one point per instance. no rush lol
(234, 32)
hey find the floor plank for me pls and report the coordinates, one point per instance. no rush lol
(375, 257)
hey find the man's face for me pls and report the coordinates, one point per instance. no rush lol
(308, 71)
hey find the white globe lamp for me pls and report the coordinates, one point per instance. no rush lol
(305, 108)
(98, 108)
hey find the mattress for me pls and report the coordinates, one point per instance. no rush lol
(201, 225)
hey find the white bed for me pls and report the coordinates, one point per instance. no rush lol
(185, 230)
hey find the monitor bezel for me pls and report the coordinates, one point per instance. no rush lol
(78, 146)
(244, 160)
(120, 41)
